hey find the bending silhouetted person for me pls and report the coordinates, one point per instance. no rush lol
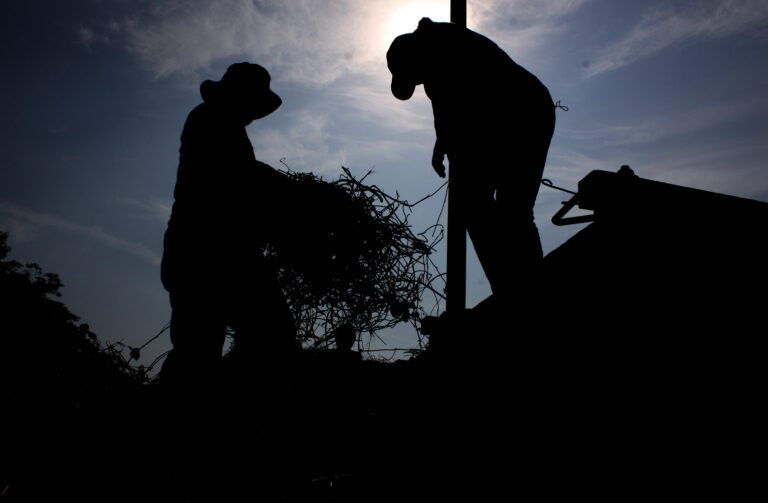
(212, 264)
(494, 120)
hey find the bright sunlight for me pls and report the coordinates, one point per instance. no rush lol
(405, 17)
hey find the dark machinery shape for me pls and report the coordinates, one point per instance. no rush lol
(692, 257)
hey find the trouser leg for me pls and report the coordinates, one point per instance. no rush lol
(263, 322)
(507, 245)
(502, 226)
(486, 227)
(197, 335)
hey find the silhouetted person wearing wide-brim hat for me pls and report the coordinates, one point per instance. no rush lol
(212, 264)
(494, 120)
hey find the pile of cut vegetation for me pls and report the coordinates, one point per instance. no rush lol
(347, 257)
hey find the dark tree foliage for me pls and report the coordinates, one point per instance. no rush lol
(47, 358)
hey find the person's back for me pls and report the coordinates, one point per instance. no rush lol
(466, 66)
(494, 121)
(218, 192)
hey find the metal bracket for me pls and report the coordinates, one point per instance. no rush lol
(560, 219)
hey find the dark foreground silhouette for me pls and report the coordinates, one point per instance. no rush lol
(643, 378)
(494, 121)
(213, 266)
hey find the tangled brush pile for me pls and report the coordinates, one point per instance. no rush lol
(348, 259)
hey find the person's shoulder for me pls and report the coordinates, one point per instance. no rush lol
(448, 30)
(204, 120)
(428, 29)
(201, 113)
(480, 40)
(461, 40)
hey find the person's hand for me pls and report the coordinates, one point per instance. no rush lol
(437, 159)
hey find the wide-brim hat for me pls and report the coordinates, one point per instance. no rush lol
(239, 81)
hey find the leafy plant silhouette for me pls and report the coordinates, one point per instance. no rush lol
(51, 359)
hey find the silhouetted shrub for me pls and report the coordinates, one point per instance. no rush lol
(47, 358)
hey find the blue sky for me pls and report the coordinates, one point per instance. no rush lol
(95, 93)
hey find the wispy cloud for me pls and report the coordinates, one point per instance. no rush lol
(306, 41)
(692, 149)
(675, 23)
(669, 125)
(86, 36)
(155, 210)
(734, 166)
(523, 25)
(291, 38)
(336, 128)
(28, 222)
(304, 143)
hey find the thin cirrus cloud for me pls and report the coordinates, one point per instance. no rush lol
(670, 125)
(301, 41)
(302, 145)
(27, 222)
(304, 42)
(521, 27)
(309, 42)
(156, 211)
(667, 26)
(678, 147)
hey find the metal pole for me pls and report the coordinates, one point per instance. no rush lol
(459, 12)
(456, 278)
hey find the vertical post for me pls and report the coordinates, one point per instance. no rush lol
(456, 279)
(459, 12)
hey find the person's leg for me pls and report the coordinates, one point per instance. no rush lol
(516, 198)
(263, 367)
(486, 227)
(191, 410)
(499, 193)
(263, 322)
(506, 241)
(197, 335)
(265, 344)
